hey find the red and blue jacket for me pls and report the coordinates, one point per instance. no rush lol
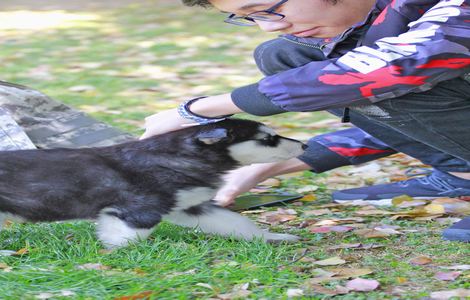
(409, 47)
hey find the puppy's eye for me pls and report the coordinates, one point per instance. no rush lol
(270, 140)
(267, 138)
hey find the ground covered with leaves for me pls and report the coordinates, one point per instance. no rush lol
(123, 60)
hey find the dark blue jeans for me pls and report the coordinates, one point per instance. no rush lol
(432, 126)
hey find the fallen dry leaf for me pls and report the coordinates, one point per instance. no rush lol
(401, 280)
(447, 276)
(325, 229)
(22, 251)
(421, 260)
(453, 205)
(332, 261)
(362, 285)
(317, 212)
(400, 199)
(319, 289)
(374, 233)
(445, 295)
(322, 276)
(276, 217)
(350, 272)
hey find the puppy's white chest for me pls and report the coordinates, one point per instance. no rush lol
(188, 198)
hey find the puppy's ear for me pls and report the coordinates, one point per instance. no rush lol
(212, 136)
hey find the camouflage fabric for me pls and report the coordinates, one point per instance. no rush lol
(30, 119)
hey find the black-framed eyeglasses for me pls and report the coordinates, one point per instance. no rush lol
(268, 15)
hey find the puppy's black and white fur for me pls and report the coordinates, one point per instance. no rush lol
(129, 188)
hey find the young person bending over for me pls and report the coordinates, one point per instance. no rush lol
(397, 70)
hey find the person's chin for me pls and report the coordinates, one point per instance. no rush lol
(312, 32)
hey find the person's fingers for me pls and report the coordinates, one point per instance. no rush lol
(226, 195)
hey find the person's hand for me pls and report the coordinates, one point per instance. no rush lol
(242, 180)
(239, 181)
(163, 122)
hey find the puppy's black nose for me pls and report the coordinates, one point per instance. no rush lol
(304, 146)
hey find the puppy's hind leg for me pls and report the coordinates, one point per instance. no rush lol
(210, 218)
(114, 231)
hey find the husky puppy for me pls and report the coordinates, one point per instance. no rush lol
(129, 188)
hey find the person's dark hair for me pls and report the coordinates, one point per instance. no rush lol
(206, 3)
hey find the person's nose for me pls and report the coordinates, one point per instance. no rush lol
(272, 26)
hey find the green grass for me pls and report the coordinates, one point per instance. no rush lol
(192, 53)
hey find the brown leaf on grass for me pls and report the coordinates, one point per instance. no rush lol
(421, 260)
(139, 296)
(453, 205)
(6, 268)
(373, 233)
(319, 289)
(405, 201)
(400, 199)
(277, 217)
(317, 212)
(332, 261)
(345, 273)
(445, 295)
(447, 276)
(326, 229)
(322, 276)
(430, 210)
(401, 280)
(22, 251)
(362, 285)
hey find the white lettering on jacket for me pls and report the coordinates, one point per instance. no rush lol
(366, 59)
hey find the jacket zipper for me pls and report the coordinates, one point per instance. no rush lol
(304, 44)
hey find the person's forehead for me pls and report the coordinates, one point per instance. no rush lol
(242, 5)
